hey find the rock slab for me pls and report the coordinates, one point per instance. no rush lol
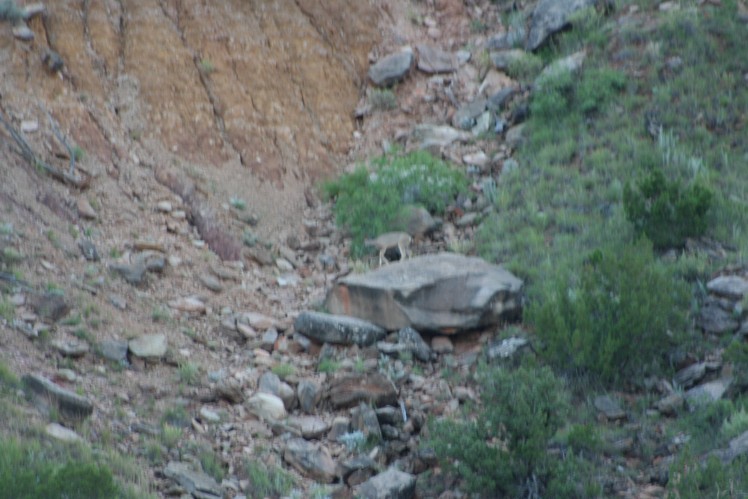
(446, 293)
(550, 16)
(68, 403)
(327, 328)
(392, 68)
(196, 483)
(392, 484)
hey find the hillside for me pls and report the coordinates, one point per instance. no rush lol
(186, 182)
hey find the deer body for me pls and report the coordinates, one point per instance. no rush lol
(383, 242)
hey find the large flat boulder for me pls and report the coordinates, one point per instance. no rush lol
(445, 292)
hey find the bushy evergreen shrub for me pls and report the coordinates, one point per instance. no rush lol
(666, 212)
(612, 320)
(503, 451)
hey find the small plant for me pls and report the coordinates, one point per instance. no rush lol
(238, 203)
(525, 68)
(328, 366)
(10, 255)
(189, 373)
(210, 462)
(8, 379)
(78, 153)
(666, 212)
(382, 99)
(115, 253)
(353, 441)
(176, 416)
(7, 310)
(170, 435)
(206, 67)
(160, 314)
(267, 481)
(283, 370)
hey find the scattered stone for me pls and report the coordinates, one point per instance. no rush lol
(200, 485)
(267, 406)
(392, 68)
(309, 395)
(70, 348)
(442, 345)
(310, 427)
(49, 306)
(61, 433)
(164, 206)
(437, 136)
(730, 286)
(338, 329)
(211, 282)
(118, 301)
(148, 346)
(114, 350)
(22, 32)
(434, 60)
(465, 117)
(341, 425)
(689, 376)
(67, 375)
(551, 16)
(609, 407)
(209, 415)
(498, 100)
(229, 389)
(88, 250)
(190, 304)
(444, 292)
(364, 419)
(392, 484)
(357, 470)
(505, 348)
(153, 261)
(85, 210)
(482, 124)
(375, 388)
(132, 274)
(707, 392)
(671, 405)
(46, 392)
(716, 320)
(412, 339)
(312, 460)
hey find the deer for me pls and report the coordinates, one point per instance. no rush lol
(383, 242)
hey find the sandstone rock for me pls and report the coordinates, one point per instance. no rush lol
(200, 485)
(68, 404)
(442, 345)
(550, 16)
(59, 432)
(211, 282)
(392, 68)
(445, 293)
(267, 406)
(190, 304)
(341, 425)
(309, 394)
(337, 329)
(70, 348)
(151, 346)
(85, 210)
(310, 427)
(271, 383)
(256, 320)
(434, 60)
(115, 350)
(348, 391)
(312, 460)
(392, 484)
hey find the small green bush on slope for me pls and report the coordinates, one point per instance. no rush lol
(616, 320)
(369, 202)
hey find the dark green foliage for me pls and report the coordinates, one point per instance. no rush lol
(614, 320)
(692, 478)
(368, 203)
(267, 481)
(25, 474)
(666, 213)
(504, 449)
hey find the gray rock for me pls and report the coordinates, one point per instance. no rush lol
(198, 484)
(670, 405)
(689, 376)
(515, 136)
(609, 408)
(23, 32)
(61, 433)
(550, 16)
(310, 427)
(412, 340)
(505, 58)
(364, 419)
(132, 274)
(338, 329)
(707, 393)
(115, 350)
(737, 447)
(70, 348)
(482, 124)
(88, 250)
(211, 282)
(512, 38)
(434, 60)
(437, 136)
(309, 395)
(416, 220)
(392, 68)
(268, 338)
(444, 292)
(267, 406)
(466, 116)
(357, 463)
(269, 383)
(442, 345)
(350, 390)
(570, 64)
(510, 165)
(341, 425)
(209, 415)
(312, 460)
(392, 484)
(390, 415)
(503, 349)
(731, 286)
(148, 346)
(497, 101)
(45, 392)
(49, 307)
(716, 320)
(152, 261)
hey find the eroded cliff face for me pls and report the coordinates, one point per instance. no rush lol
(263, 88)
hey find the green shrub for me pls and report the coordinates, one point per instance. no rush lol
(666, 212)
(368, 203)
(382, 99)
(692, 478)
(613, 321)
(504, 449)
(267, 481)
